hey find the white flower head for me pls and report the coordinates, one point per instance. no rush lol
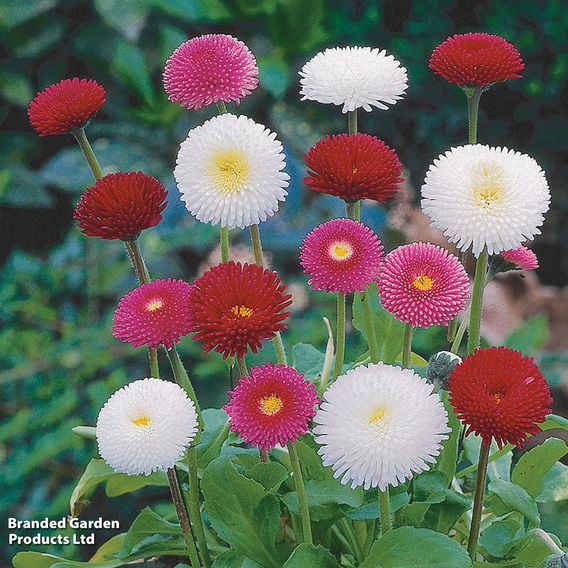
(380, 424)
(482, 196)
(355, 77)
(146, 426)
(230, 172)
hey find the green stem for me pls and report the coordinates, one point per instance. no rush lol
(370, 327)
(477, 302)
(478, 500)
(153, 360)
(461, 332)
(384, 507)
(353, 210)
(224, 239)
(352, 122)
(340, 334)
(353, 540)
(81, 138)
(301, 491)
(473, 97)
(221, 108)
(407, 346)
(135, 255)
(242, 366)
(371, 525)
(185, 526)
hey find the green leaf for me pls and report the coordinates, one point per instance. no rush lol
(270, 475)
(309, 458)
(234, 559)
(533, 465)
(531, 551)
(130, 65)
(14, 12)
(130, 23)
(505, 496)
(242, 512)
(120, 484)
(500, 536)
(307, 359)
(531, 336)
(274, 75)
(310, 556)
(407, 547)
(448, 459)
(215, 432)
(15, 87)
(369, 509)
(555, 484)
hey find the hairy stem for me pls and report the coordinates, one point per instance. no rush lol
(407, 345)
(477, 302)
(301, 491)
(478, 500)
(340, 335)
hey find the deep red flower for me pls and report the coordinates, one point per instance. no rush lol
(121, 205)
(66, 106)
(353, 166)
(499, 393)
(476, 59)
(236, 306)
(154, 314)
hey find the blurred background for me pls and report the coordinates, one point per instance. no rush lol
(58, 360)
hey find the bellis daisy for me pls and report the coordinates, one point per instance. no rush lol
(379, 424)
(66, 106)
(157, 313)
(355, 77)
(146, 426)
(499, 393)
(235, 306)
(208, 69)
(423, 284)
(121, 205)
(476, 59)
(271, 406)
(229, 172)
(482, 196)
(353, 166)
(341, 255)
(522, 258)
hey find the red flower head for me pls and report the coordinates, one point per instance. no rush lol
(499, 393)
(66, 106)
(353, 166)
(236, 306)
(121, 205)
(476, 59)
(153, 314)
(271, 406)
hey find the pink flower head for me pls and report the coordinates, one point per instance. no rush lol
(522, 257)
(341, 255)
(272, 405)
(208, 69)
(154, 314)
(423, 284)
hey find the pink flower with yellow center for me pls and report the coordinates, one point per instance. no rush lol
(522, 257)
(341, 255)
(272, 405)
(423, 284)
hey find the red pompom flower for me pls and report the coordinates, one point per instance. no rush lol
(353, 166)
(66, 106)
(272, 405)
(476, 59)
(121, 205)
(499, 393)
(154, 314)
(235, 306)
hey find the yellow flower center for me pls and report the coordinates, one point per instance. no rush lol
(154, 305)
(241, 311)
(340, 251)
(488, 186)
(142, 421)
(377, 415)
(271, 404)
(230, 170)
(423, 282)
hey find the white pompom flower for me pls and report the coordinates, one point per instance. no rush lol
(146, 426)
(355, 77)
(230, 172)
(379, 424)
(482, 196)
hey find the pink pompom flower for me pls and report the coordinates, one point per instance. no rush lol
(522, 257)
(272, 405)
(208, 69)
(423, 284)
(156, 313)
(341, 255)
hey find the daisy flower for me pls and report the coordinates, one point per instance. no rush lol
(156, 313)
(476, 59)
(208, 69)
(121, 206)
(341, 255)
(501, 394)
(353, 166)
(66, 106)
(271, 406)
(482, 196)
(146, 426)
(230, 172)
(355, 77)
(378, 425)
(522, 258)
(423, 284)
(235, 307)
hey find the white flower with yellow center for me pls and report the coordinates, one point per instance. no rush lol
(230, 172)
(146, 426)
(355, 77)
(482, 196)
(379, 424)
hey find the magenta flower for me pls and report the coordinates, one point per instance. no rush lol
(522, 257)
